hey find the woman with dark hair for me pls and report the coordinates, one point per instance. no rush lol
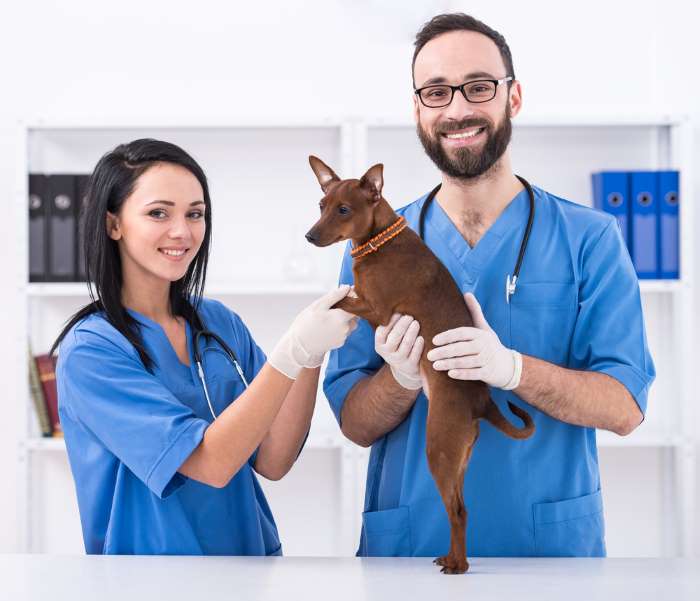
(164, 453)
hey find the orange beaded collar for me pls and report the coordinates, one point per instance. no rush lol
(380, 239)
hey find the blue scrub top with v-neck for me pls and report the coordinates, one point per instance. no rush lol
(577, 305)
(128, 431)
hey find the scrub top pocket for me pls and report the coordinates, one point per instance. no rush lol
(570, 528)
(387, 533)
(542, 318)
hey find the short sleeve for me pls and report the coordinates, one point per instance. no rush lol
(355, 360)
(609, 335)
(109, 391)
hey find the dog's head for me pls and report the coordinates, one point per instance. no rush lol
(347, 208)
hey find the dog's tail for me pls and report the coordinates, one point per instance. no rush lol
(497, 420)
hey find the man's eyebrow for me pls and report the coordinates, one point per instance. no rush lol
(469, 76)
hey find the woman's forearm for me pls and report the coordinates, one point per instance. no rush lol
(233, 437)
(281, 446)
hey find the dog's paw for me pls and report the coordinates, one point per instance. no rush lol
(451, 566)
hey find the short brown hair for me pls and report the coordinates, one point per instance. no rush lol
(461, 22)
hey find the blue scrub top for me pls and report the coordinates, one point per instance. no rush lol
(577, 305)
(128, 431)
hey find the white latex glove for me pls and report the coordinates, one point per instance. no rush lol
(400, 346)
(476, 353)
(315, 331)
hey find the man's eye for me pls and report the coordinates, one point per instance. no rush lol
(343, 210)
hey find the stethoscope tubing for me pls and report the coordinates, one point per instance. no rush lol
(511, 281)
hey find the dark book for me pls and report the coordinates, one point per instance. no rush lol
(37, 392)
(46, 365)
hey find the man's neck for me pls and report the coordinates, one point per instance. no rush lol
(474, 205)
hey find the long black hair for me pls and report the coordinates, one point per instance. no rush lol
(111, 183)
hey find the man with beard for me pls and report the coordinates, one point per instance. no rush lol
(569, 345)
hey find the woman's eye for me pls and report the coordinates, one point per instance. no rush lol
(343, 210)
(196, 215)
(158, 213)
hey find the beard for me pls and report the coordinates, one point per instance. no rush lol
(467, 163)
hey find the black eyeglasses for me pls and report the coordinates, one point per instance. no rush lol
(478, 90)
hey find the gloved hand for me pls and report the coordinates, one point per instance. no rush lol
(400, 346)
(315, 331)
(476, 353)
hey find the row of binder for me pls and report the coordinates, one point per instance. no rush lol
(55, 250)
(645, 204)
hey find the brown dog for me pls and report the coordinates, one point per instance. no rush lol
(396, 273)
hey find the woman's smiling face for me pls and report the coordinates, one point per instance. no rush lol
(160, 226)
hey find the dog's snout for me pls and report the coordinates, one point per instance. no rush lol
(311, 237)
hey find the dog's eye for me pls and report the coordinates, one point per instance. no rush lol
(343, 210)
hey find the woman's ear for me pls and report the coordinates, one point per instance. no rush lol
(112, 223)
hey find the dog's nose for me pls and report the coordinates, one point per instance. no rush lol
(311, 237)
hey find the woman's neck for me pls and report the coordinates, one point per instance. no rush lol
(148, 296)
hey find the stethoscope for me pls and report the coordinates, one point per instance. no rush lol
(511, 281)
(227, 350)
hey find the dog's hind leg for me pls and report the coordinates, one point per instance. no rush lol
(450, 439)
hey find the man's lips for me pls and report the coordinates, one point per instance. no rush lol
(463, 137)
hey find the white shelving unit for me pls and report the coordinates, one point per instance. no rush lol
(284, 204)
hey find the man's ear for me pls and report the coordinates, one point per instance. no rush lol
(324, 173)
(112, 224)
(373, 181)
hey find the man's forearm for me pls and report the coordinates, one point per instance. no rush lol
(582, 398)
(375, 406)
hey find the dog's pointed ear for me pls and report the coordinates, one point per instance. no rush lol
(324, 173)
(373, 181)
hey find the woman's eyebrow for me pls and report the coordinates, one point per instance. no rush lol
(170, 203)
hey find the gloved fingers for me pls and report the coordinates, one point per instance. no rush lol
(469, 362)
(457, 335)
(398, 332)
(467, 374)
(476, 312)
(330, 298)
(341, 315)
(408, 340)
(416, 351)
(382, 332)
(455, 349)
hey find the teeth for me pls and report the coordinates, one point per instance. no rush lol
(173, 253)
(466, 134)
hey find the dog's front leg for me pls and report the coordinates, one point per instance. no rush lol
(357, 306)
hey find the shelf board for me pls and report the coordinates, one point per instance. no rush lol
(607, 439)
(662, 285)
(79, 290)
(562, 120)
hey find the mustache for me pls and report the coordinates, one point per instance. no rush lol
(446, 128)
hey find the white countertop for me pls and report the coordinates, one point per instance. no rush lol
(78, 578)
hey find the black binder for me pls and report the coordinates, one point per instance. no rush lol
(38, 209)
(62, 228)
(81, 191)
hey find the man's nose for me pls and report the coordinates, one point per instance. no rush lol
(459, 108)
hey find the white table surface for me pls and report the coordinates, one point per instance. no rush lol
(69, 577)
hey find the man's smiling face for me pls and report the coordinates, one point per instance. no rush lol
(464, 139)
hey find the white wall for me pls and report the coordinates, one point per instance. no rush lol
(131, 60)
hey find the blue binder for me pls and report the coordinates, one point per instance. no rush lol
(668, 226)
(611, 194)
(645, 222)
